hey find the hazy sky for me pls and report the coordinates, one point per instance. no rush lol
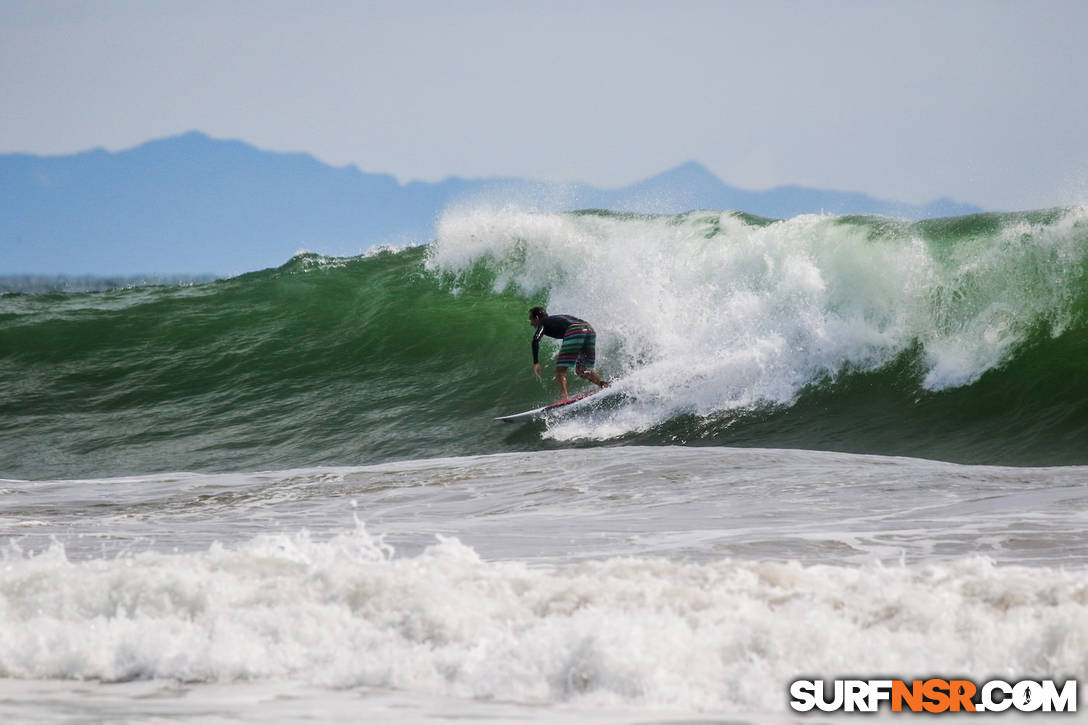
(981, 101)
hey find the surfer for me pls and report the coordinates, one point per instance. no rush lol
(578, 350)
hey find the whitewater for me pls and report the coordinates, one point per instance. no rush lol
(708, 313)
(840, 447)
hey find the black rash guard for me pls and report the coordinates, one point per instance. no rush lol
(552, 326)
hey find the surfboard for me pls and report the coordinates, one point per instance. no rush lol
(546, 410)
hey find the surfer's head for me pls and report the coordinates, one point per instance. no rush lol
(536, 314)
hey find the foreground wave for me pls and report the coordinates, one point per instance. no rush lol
(344, 612)
(960, 339)
(536, 586)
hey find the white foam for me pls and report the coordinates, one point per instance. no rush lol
(345, 612)
(704, 312)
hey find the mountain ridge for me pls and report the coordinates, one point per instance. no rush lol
(194, 204)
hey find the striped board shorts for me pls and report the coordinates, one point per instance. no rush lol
(579, 347)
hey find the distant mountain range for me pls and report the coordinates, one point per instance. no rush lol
(193, 204)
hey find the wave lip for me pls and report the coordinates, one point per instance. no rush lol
(959, 339)
(719, 315)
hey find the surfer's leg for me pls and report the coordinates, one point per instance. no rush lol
(591, 376)
(570, 352)
(587, 356)
(561, 382)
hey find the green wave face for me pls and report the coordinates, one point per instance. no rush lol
(961, 339)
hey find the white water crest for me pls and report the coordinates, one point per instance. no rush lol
(605, 584)
(709, 312)
(345, 612)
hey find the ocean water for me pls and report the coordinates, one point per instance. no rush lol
(837, 447)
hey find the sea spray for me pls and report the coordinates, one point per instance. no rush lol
(707, 313)
(959, 339)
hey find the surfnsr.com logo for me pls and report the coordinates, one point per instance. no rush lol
(933, 695)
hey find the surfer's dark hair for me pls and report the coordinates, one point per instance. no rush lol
(536, 313)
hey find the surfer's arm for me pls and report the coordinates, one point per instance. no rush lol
(536, 348)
